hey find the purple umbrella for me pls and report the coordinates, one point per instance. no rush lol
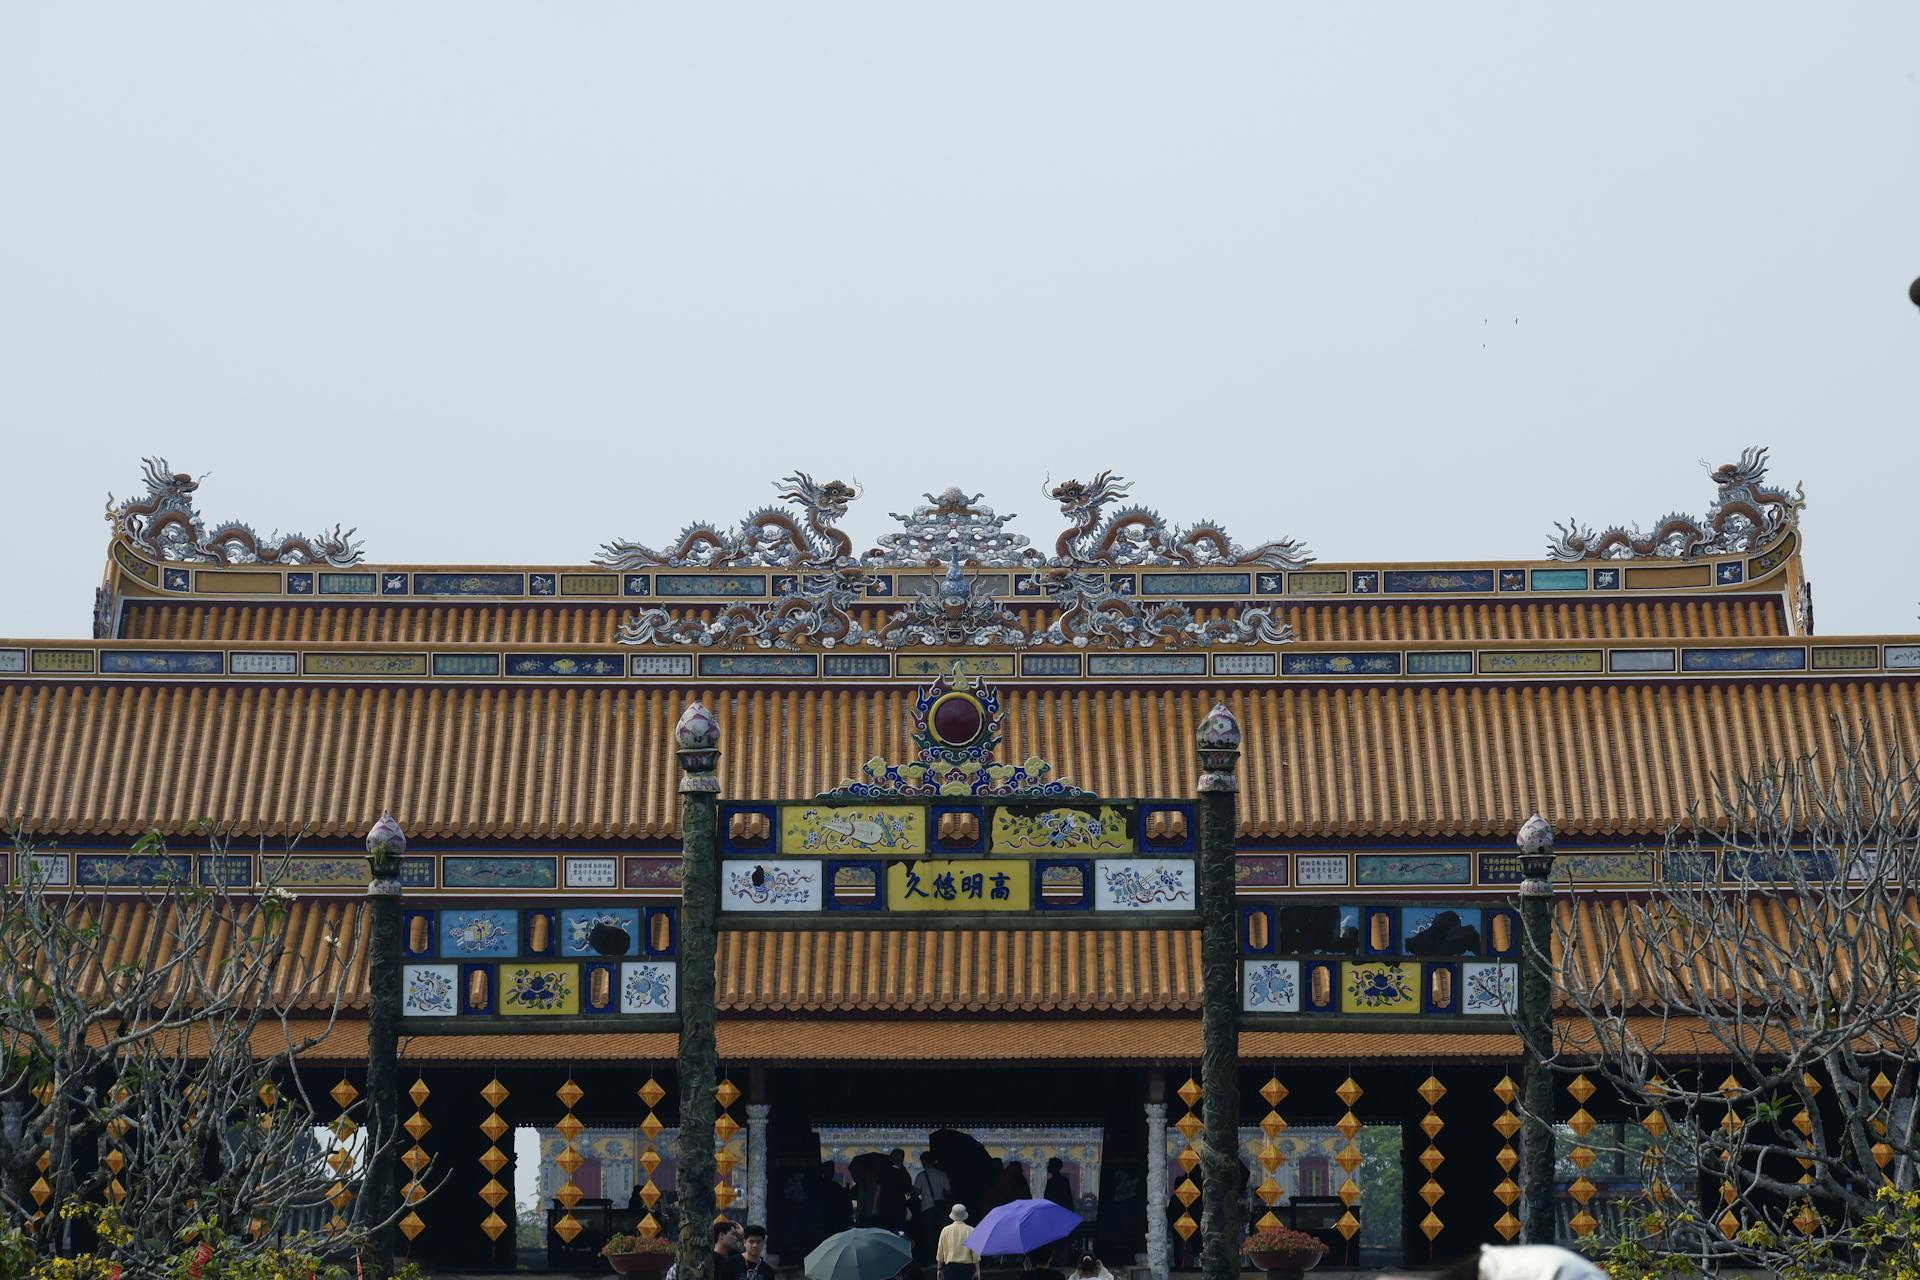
(1021, 1226)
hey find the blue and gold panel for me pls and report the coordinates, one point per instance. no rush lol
(659, 875)
(1379, 986)
(1438, 581)
(1244, 664)
(879, 585)
(416, 934)
(1141, 884)
(1314, 582)
(660, 664)
(477, 989)
(1606, 579)
(1499, 868)
(1772, 558)
(1412, 868)
(649, 987)
(489, 931)
(469, 584)
(578, 923)
(1049, 664)
(1258, 931)
(588, 584)
(1512, 579)
(145, 570)
(1319, 986)
(725, 665)
(1489, 988)
(1500, 934)
(393, 584)
(1634, 867)
(1689, 866)
(233, 870)
(540, 931)
(1195, 584)
(1557, 662)
(1792, 658)
(429, 990)
(63, 661)
(605, 665)
(300, 584)
(1728, 574)
(599, 987)
(1440, 931)
(1270, 986)
(179, 580)
(1366, 582)
(499, 871)
(542, 584)
(108, 870)
(710, 584)
(853, 828)
(1061, 829)
(853, 886)
(636, 584)
(1339, 664)
(1440, 990)
(748, 884)
(1379, 931)
(1062, 884)
(662, 932)
(124, 662)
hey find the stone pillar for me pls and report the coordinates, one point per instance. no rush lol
(385, 843)
(697, 742)
(757, 1113)
(1223, 1211)
(1536, 1029)
(1156, 1195)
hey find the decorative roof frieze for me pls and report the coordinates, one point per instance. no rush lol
(166, 524)
(1746, 515)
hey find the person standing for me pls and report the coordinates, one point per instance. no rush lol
(726, 1250)
(1058, 1189)
(955, 1260)
(754, 1262)
(935, 1190)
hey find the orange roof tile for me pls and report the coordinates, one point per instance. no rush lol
(591, 762)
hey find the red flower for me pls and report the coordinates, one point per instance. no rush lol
(201, 1256)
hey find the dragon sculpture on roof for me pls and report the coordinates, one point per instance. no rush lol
(1136, 535)
(772, 536)
(1746, 514)
(165, 523)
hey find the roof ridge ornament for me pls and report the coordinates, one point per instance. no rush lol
(778, 537)
(166, 523)
(956, 728)
(1746, 515)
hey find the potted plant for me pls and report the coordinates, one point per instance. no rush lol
(1282, 1251)
(637, 1255)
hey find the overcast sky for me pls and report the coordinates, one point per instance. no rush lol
(497, 283)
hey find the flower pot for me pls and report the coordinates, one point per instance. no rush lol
(1284, 1264)
(640, 1264)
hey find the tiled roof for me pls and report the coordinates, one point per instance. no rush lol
(522, 762)
(454, 623)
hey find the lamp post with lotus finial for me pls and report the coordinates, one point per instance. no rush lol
(1536, 1027)
(696, 740)
(385, 843)
(1222, 1210)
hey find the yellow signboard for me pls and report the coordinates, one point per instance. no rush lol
(853, 828)
(1380, 986)
(959, 884)
(1087, 828)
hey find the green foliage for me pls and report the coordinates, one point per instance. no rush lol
(1636, 1257)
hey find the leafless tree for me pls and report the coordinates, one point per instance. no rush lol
(1756, 1010)
(169, 1033)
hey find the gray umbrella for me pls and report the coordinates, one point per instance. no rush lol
(864, 1253)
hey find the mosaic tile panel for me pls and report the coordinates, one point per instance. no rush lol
(1065, 829)
(263, 664)
(1902, 657)
(1265, 871)
(1782, 659)
(1438, 581)
(1135, 884)
(533, 989)
(589, 584)
(604, 665)
(857, 665)
(661, 874)
(1340, 664)
(1311, 869)
(134, 662)
(939, 664)
(577, 925)
(466, 664)
(1315, 584)
(960, 885)
(1049, 664)
(649, 986)
(660, 664)
(348, 584)
(469, 584)
(13, 661)
(499, 872)
(1146, 664)
(1559, 579)
(591, 873)
(231, 869)
(1379, 986)
(711, 584)
(364, 664)
(1833, 657)
(1543, 662)
(470, 933)
(759, 664)
(1412, 868)
(107, 870)
(1489, 988)
(767, 885)
(1640, 660)
(1440, 664)
(1243, 664)
(853, 828)
(1270, 986)
(428, 990)
(1195, 584)
(63, 661)
(1584, 868)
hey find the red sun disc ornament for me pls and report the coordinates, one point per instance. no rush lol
(957, 719)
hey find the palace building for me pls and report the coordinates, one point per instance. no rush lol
(957, 827)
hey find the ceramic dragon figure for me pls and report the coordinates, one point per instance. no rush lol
(1094, 615)
(1746, 514)
(165, 523)
(771, 536)
(1136, 535)
(818, 613)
